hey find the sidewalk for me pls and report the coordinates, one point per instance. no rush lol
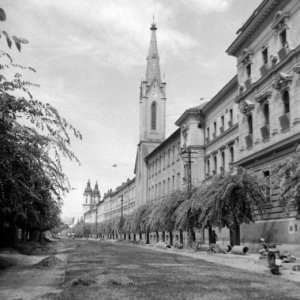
(249, 262)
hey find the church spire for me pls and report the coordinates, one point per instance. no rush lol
(153, 69)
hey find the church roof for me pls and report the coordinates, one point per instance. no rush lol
(96, 190)
(88, 189)
(153, 69)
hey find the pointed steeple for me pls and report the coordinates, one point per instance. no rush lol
(153, 58)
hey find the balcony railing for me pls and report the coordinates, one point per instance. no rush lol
(248, 83)
(221, 129)
(249, 140)
(283, 52)
(264, 69)
(265, 132)
(285, 121)
(230, 123)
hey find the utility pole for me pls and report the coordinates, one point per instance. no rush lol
(189, 173)
(121, 220)
(188, 164)
(122, 206)
(96, 221)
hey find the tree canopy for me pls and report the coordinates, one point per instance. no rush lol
(33, 138)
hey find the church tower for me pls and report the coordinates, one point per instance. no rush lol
(87, 198)
(152, 122)
(152, 97)
(96, 194)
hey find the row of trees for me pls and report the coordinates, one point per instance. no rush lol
(227, 200)
(33, 136)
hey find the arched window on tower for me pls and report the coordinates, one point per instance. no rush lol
(153, 115)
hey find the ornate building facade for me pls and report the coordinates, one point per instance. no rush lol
(253, 121)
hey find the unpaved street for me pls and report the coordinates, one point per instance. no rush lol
(106, 270)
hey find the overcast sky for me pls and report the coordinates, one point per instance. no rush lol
(91, 55)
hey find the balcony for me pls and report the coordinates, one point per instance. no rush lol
(283, 52)
(248, 84)
(265, 132)
(264, 69)
(249, 140)
(285, 121)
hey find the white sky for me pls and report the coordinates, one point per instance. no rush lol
(91, 55)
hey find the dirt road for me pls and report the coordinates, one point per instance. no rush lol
(93, 270)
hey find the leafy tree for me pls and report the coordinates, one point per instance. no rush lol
(33, 137)
(232, 199)
(286, 175)
(163, 216)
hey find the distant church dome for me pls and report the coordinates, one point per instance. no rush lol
(88, 189)
(96, 191)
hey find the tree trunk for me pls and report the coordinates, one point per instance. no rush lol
(163, 236)
(211, 239)
(235, 238)
(171, 238)
(190, 230)
(147, 238)
(180, 237)
(157, 236)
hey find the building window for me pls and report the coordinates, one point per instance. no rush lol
(174, 154)
(266, 114)
(265, 56)
(286, 101)
(208, 167)
(248, 70)
(231, 154)
(268, 188)
(153, 116)
(215, 164)
(215, 129)
(250, 124)
(222, 124)
(223, 159)
(173, 183)
(230, 122)
(207, 133)
(282, 37)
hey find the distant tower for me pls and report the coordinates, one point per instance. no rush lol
(87, 198)
(152, 120)
(96, 194)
